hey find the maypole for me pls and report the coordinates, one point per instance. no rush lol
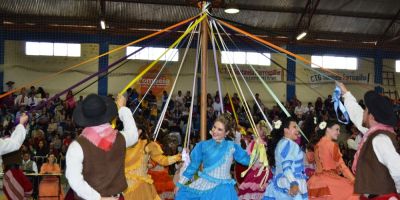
(204, 48)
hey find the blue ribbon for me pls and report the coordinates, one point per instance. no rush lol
(339, 105)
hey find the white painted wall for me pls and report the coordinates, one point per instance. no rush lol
(24, 69)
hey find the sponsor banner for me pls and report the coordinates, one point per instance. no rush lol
(353, 76)
(164, 81)
(266, 74)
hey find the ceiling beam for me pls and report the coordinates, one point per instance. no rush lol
(395, 18)
(295, 10)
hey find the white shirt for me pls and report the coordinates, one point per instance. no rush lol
(19, 100)
(300, 110)
(14, 142)
(383, 146)
(34, 101)
(353, 143)
(217, 107)
(74, 157)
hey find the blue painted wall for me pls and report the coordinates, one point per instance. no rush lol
(1, 59)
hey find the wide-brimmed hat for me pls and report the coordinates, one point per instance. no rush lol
(10, 83)
(95, 110)
(380, 107)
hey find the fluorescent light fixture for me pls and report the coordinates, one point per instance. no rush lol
(102, 24)
(301, 35)
(232, 9)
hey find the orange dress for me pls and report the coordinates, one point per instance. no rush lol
(327, 183)
(162, 180)
(49, 186)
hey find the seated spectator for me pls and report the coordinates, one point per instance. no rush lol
(49, 187)
(28, 165)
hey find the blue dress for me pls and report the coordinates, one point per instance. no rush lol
(215, 181)
(289, 159)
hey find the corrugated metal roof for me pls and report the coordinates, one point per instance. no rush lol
(361, 17)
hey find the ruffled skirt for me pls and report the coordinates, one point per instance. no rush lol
(330, 186)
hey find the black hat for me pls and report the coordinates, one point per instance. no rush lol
(95, 110)
(10, 83)
(380, 107)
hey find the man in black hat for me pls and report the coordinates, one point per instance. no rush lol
(95, 161)
(377, 161)
(10, 85)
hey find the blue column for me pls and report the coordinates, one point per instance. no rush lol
(1, 59)
(103, 64)
(378, 65)
(290, 78)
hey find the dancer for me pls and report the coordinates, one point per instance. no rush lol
(327, 183)
(216, 156)
(95, 161)
(289, 180)
(160, 173)
(376, 160)
(15, 184)
(252, 187)
(14, 142)
(140, 184)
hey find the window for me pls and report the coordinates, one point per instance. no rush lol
(397, 65)
(52, 49)
(152, 53)
(250, 58)
(334, 62)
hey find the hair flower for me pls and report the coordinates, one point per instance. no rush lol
(322, 125)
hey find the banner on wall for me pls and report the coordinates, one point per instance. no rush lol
(353, 76)
(266, 74)
(164, 81)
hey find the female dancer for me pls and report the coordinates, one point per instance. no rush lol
(327, 183)
(252, 187)
(216, 156)
(289, 181)
(140, 184)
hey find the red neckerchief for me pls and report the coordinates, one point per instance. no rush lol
(102, 136)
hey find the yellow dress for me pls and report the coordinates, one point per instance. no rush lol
(140, 184)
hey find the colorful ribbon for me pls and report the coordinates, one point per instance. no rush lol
(338, 105)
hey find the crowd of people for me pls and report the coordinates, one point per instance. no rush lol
(74, 137)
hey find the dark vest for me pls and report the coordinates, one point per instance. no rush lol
(372, 177)
(103, 170)
(12, 160)
(27, 166)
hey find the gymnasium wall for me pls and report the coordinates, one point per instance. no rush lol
(23, 69)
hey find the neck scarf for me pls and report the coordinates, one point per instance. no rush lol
(102, 136)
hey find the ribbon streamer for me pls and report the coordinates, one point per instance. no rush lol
(338, 105)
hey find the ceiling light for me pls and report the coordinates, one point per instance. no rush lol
(301, 35)
(232, 9)
(103, 24)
